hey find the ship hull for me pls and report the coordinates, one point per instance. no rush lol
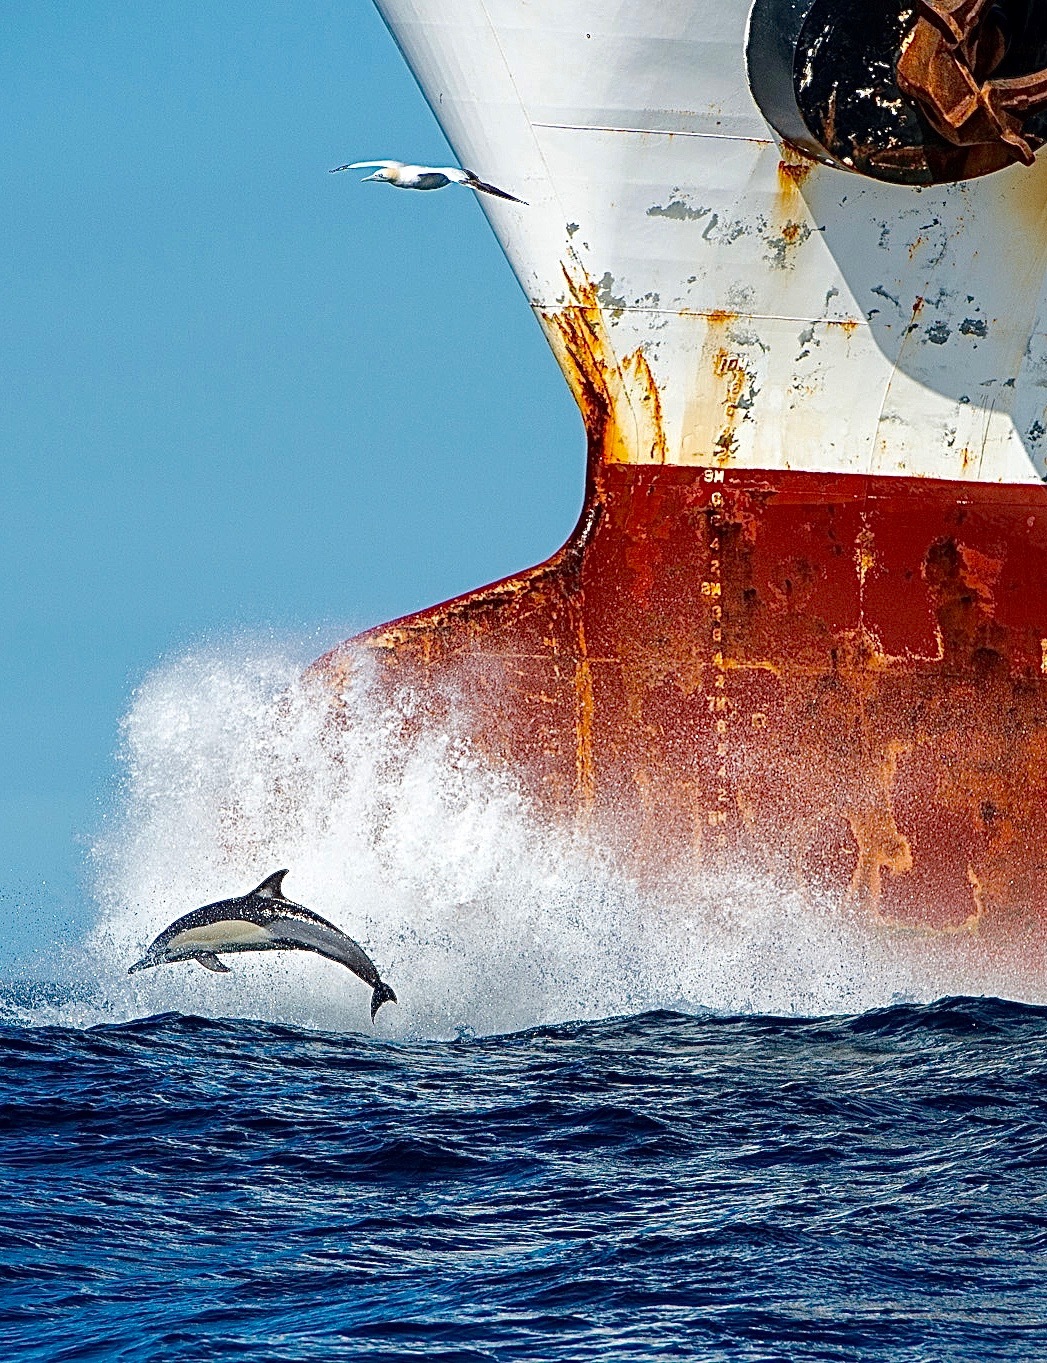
(801, 628)
(836, 679)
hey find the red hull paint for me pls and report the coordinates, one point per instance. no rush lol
(836, 678)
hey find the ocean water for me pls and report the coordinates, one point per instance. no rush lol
(660, 1186)
(713, 1120)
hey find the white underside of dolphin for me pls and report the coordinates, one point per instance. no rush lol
(227, 934)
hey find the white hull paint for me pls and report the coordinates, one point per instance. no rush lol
(746, 310)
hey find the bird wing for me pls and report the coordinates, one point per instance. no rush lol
(365, 165)
(472, 181)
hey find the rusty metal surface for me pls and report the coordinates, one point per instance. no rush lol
(840, 679)
(915, 92)
(836, 679)
(947, 67)
(802, 624)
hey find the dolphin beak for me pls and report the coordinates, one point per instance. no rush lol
(143, 964)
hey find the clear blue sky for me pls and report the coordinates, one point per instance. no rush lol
(239, 394)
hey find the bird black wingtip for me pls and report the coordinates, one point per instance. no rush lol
(474, 182)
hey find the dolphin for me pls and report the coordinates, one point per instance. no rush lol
(263, 920)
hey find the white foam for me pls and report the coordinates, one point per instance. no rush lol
(480, 914)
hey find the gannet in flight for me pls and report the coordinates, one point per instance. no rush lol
(398, 175)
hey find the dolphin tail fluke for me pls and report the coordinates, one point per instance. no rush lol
(382, 994)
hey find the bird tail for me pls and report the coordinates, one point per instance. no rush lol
(382, 994)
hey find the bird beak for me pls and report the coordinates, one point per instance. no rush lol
(368, 177)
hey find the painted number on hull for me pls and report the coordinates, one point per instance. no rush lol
(719, 705)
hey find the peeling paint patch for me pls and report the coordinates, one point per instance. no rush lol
(974, 326)
(679, 210)
(881, 292)
(881, 844)
(610, 302)
(806, 339)
(792, 234)
(939, 333)
(721, 232)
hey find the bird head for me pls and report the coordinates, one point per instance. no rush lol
(387, 174)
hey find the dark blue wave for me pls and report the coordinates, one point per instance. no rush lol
(662, 1186)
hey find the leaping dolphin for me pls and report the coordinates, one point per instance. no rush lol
(261, 921)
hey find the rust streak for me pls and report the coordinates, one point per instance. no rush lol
(618, 397)
(793, 170)
(585, 771)
(864, 551)
(719, 317)
(881, 844)
(636, 369)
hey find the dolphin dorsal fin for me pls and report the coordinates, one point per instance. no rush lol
(270, 887)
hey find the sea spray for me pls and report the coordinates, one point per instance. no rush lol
(483, 914)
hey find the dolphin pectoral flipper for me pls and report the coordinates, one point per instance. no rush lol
(211, 962)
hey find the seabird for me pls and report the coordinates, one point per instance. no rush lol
(263, 920)
(398, 175)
